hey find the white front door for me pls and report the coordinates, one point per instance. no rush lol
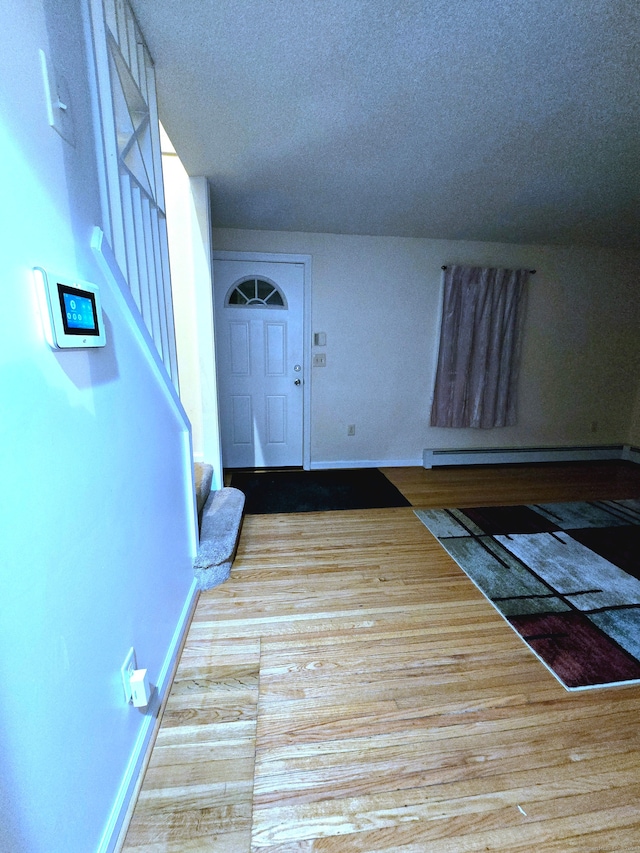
(259, 313)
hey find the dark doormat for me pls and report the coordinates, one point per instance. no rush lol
(316, 491)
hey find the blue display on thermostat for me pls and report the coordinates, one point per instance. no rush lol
(79, 314)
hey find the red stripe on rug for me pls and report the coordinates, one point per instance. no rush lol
(575, 649)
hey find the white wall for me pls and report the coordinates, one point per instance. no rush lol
(96, 512)
(189, 234)
(378, 300)
(634, 431)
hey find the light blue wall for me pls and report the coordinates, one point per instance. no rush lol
(96, 512)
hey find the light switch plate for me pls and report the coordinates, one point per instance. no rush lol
(58, 99)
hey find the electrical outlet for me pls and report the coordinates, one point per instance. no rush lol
(126, 670)
(320, 360)
(351, 429)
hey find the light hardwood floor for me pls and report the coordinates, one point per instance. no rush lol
(349, 689)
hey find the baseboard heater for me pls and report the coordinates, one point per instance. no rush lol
(506, 455)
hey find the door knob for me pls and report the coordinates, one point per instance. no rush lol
(296, 382)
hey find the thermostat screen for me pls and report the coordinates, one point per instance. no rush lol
(79, 314)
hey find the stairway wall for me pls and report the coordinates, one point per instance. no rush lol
(96, 508)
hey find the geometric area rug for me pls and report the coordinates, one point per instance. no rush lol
(565, 576)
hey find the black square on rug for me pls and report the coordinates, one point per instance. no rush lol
(316, 491)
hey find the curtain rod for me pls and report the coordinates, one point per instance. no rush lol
(531, 272)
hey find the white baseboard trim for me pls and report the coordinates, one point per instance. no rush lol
(112, 837)
(506, 455)
(365, 463)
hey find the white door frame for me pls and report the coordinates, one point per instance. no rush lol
(305, 261)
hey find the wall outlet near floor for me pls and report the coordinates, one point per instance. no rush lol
(140, 688)
(126, 670)
(351, 429)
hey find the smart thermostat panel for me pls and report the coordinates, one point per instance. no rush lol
(71, 312)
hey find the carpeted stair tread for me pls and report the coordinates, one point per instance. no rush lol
(203, 474)
(219, 531)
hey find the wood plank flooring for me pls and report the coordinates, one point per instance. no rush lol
(349, 689)
(497, 485)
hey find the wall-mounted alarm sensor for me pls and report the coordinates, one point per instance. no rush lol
(71, 311)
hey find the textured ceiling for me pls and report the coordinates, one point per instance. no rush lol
(505, 120)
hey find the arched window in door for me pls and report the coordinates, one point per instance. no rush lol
(252, 292)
